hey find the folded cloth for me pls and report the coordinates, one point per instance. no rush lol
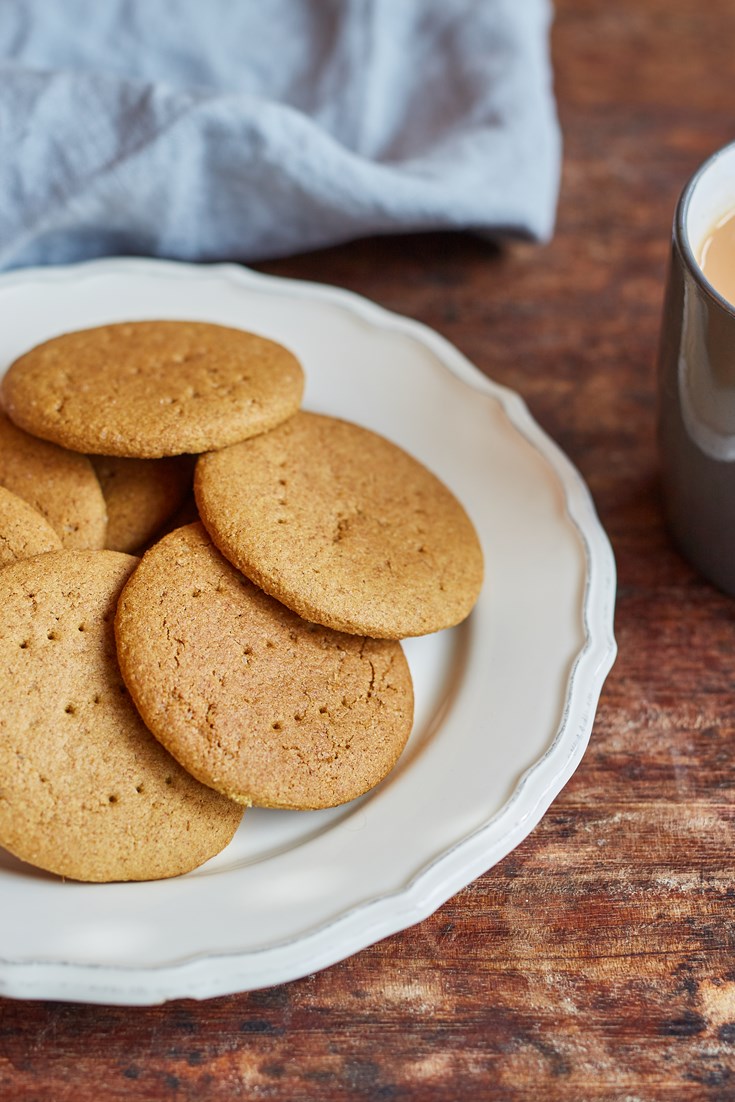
(221, 130)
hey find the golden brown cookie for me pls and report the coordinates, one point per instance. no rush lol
(23, 531)
(152, 388)
(141, 494)
(60, 484)
(343, 527)
(85, 789)
(251, 699)
(186, 514)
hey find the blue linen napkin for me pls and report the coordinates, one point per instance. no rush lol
(213, 129)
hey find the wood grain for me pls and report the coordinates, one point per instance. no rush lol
(597, 962)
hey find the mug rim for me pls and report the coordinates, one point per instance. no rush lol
(682, 238)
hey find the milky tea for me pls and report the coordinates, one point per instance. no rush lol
(716, 256)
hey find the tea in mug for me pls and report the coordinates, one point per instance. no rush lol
(716, 256)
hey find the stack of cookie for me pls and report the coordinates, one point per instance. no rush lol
(251, 657)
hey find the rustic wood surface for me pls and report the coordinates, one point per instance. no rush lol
(597, 961)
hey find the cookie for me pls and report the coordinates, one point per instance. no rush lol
(343, 527)
(141, 495)
(60, 484)
(86, 791)
(23, 531)
(187, 513)
(250, 698)
(152, 388)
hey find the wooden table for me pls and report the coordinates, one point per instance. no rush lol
(596, 961)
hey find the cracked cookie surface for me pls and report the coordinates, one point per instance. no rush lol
(250, 698)
(343, 527)
(152, 388)
(60, 484)
(86, 791)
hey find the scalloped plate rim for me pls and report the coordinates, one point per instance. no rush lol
(210, 974)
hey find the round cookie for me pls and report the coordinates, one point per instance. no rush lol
(343, 527)
(87, 792)
(141, 494)
(252, 700)
(23, 531)
(60, 484)
(152, 388)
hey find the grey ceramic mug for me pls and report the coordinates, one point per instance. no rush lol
(696, 427)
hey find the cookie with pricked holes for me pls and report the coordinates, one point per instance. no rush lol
(145, 389)
(87, 792)
(344, 527)
(250, 698)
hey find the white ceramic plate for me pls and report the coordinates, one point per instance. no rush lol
(505, 702)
